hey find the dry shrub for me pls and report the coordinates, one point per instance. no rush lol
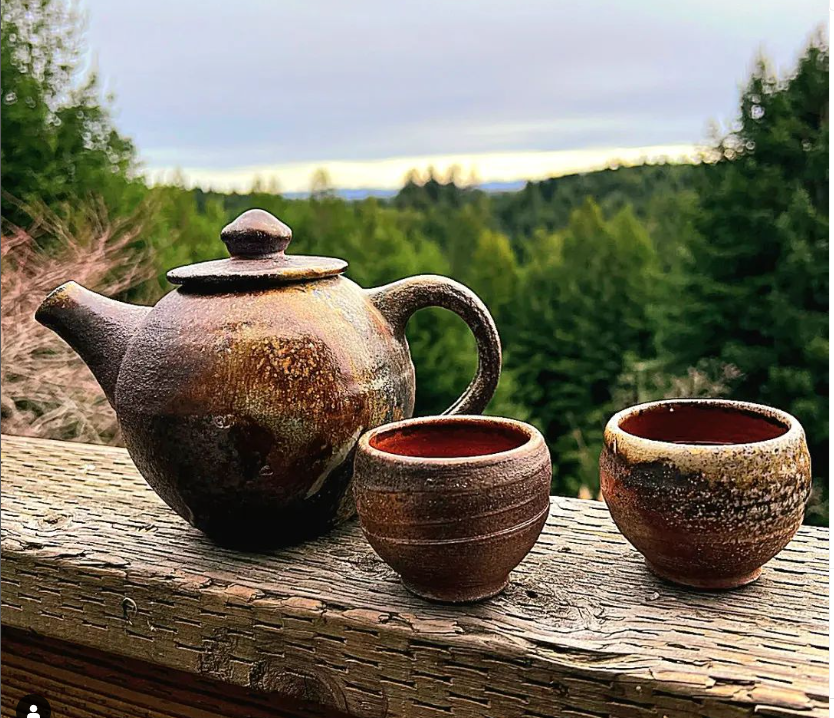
(649, 381)
(46, 390)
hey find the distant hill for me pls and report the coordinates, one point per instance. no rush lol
(349, 194)
(363, 193)
(520, 208)
(519, 205)
(547, 204)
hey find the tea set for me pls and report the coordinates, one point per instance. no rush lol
(268, 398)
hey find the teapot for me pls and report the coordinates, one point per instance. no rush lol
(242, 393)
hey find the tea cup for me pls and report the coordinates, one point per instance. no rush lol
(453, 503)
(708, 490)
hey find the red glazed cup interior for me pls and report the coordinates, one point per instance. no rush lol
(451, 439)
(453, 503)
(708, 490)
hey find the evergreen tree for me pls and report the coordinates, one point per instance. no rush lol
(59, 144)
(582, 308)
(493, 273)
(755, 289)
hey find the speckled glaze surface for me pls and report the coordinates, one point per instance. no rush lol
(453, 504)
(241, 394)
(707, 490)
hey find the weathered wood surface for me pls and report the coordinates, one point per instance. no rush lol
(81, 682)
(92, 556)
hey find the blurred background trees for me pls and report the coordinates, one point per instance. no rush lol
(755, 277)
(59, 146)
(609, 288)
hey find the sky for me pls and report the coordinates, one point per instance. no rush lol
(224, 92)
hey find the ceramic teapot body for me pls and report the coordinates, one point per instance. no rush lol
(241, 400)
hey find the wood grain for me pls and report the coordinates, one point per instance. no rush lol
(82, 682)
(93, 557)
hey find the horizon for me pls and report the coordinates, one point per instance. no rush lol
(368, 95)
(391, 174)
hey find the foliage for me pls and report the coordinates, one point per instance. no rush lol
(754, 286)
(583, 308)
(59, 142)
(493, 272)
(548, 204)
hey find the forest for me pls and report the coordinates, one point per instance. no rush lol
(608, 288)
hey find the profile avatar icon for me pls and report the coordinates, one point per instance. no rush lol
(33, 706)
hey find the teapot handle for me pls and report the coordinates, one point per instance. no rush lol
(399, 300)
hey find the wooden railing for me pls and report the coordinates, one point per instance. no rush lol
(112, 605)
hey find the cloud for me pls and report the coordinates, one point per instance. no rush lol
(216, 87)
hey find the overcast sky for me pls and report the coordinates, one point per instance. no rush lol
(513, 89)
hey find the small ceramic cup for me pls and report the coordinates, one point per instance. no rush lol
(707, 490)
(453, 503)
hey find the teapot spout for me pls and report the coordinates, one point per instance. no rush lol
(98, 328)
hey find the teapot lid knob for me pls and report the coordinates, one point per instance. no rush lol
(256, 233)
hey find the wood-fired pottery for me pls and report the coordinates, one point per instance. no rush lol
(707, 490)
(453, 504)
(242, 393)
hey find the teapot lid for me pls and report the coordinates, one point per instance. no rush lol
(256, 242)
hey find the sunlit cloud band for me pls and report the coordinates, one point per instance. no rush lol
(390, 173)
